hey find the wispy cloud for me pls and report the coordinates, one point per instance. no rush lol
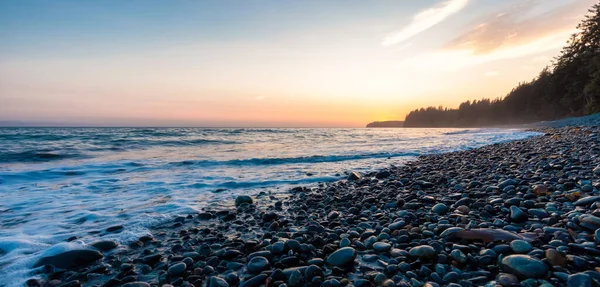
(425, 20)
(514, 27)
(513, 33)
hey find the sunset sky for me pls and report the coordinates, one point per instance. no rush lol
(268, 62)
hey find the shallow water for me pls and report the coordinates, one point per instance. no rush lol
(57, 183)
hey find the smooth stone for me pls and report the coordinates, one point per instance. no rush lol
(177, 268)
(508, 280)
(517, 215)
(105, 245)
(255, 281)
(382, 246)
(587, 200)
(242, 199)
(135, 284)
(217, 282)
(597, 235)
(397, 225)
(345, 242)
(440, 209)
(458, 255)
(354, 176)
(342, 257)
(423, 251)
(520, 246)
(555, 258)
(70, 259)
(524, 266)
(296, 279)
(258, 264)
(579, 280)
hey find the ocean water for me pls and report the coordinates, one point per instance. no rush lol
(59, 183)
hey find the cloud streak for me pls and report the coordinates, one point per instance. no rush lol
(425, 20)
(513, 33)
(512, 27)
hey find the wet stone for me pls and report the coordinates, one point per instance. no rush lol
(342, 257)
(524, 266)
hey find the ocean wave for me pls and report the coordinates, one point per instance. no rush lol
(461, 132)
(291, 160)
(140, 143)
(35, 156)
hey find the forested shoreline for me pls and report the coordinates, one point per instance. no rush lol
(570, 86)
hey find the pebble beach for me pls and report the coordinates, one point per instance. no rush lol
(520, 213)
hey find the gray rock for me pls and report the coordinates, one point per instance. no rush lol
(524, 266)
(517, 215)
(579, 280)
(258, 264)
(70, 259)
(104, 245)
(382, 246)
(242, 199)
(440, 209)
(354, 176)
(342, 257)
(508, 280)
(458, 255)
(295, 279)
(255, 281)
(136, 284)
(520, 246)
(587, 200)
(423, 252)
(177, 268)
(217, 282)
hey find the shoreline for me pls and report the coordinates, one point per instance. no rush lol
(394, 227)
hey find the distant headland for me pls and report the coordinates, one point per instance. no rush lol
(386, 124)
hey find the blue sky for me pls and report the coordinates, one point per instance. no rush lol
(268, 63)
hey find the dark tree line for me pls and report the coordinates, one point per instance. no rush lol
(569, 87)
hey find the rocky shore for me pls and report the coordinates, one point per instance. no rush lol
(522, 213)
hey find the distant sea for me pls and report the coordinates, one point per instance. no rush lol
(61, 183)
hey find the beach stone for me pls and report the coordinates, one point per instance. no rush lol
(382, 246)
(345, 242)
(507, 182)
(440, 209)
(177, 268)
(579, 280)
(517, 215)
(520, 246)
(423, 252)
(597, 235)
(242, 199)
(458, 255)
(295, 279)
(596, 170)
(587, 200)
(255, 281)
(136, 284)
(397, 225)
(70, 259)
(217, 282)
(589, 221)
(312, 271)
(524, 266)
(342, 257)
(508, 280)
(258, 264)
(354, 176)
(105, 245)
(555, 258)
